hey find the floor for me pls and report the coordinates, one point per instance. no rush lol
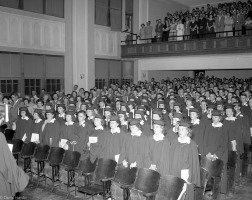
(43, 192)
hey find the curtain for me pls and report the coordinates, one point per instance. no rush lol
(116, 15)
(34, 6)
(102, 12)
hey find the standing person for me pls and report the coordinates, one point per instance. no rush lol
(173, 30)
(148, 31)
(228, 23)
(12, 178)
(202, 26)
(219, 24)
(184, 160)
(50, 131)
(187, 29)
(14, 109)
(180, 29)
(141, 34)
(166, 29)
(23, 125)
(238, 22)
(158, 149)
(210, 27)
(159, 30)
(37, 123)
(216, 144)
(193, 28)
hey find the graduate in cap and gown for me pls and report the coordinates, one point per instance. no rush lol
(61, 115)
(37, 123)
(184, 159)
(216, 144)
(23, 125)
(50, 130)
(198, 129)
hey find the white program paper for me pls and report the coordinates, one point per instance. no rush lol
(35, 137)
(93, 140)
(24, 137)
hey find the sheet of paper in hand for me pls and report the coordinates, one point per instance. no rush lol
(10, 146)
(93, 140)
(34, 137)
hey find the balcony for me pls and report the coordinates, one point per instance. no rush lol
(221, 45)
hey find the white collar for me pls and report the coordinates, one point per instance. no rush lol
(142, 122)
(99, 128)
(62, 115)
(52, 120)
(138, 133)
(69, 123)
(174, 129)
(197, 121)
(186, 140)
(25, 118)
(239, 114)
(124, 123)
(245, 104)
(158, 137)
(38, 120)
(116, 130)
(230, 119)
(189, 107)
(217, 125)
(82, 124)
(91, 117)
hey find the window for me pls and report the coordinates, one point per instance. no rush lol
(32, 84)
(47, 7)
(100, 83)
(114, 81)
(9, 86)
(127, 81)
(54, 84)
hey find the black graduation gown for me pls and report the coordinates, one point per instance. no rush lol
(198, 131)
(23, 126)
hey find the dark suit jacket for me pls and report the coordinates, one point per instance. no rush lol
(13, 113)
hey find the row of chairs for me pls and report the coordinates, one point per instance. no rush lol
(102, 172)
(106, 171)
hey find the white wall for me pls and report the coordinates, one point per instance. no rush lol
(246, 73)
(159, 75)
(159, 8)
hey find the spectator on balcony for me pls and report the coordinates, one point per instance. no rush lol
(210, 27)
(180, 30)
(248, 25)
(187, 28)
(141, 34)
(219, 24)
(166, 29)
(148, 31)
(193, 28)
(202, 25)
(238, 22)
(173, 31)
(228, 22)
(159, 30)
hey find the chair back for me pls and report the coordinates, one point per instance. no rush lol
(28, 149)
(71, 159)
(214, 168)
(170, 188)
(41, 152)
(17, 145)
(86, 167)
(203, 176)
(105, 169)
(232, 158)
(147, 180)
(56, 155)
(125, 175)
(9, 134)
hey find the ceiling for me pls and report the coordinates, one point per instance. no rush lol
(194, 3)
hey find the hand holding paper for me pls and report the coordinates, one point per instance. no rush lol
(35, 137)
(24, 137)
(93, 140)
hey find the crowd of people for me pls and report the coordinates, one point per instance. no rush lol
(163, 126)
(226, 19)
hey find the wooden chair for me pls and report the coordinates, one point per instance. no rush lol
(87, 169)
(55, 158)
(231, 167)
(147, 182)
(214, 169)
(40, 155)
(17, 148)
(125, 177)
(70, 162)
(27, 153)
(170, 188)
(104, 173)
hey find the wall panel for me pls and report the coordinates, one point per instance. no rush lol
(33, 66)
(54, 66)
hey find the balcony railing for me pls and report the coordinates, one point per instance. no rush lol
(239, 41)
